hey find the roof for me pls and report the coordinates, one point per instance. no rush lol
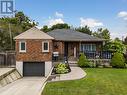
(72, 35)
(33, 33)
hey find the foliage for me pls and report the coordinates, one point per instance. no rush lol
(11, 27)
(125, 41)
(57, 26)
(117, 40)
(61, 68)
(45, 29)
(102, 33)
(83, 61)
(85, 29)
(60, 26)
(115, 46)
(118, 60)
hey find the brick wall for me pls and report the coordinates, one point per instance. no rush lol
(34, 51)
(58, 46)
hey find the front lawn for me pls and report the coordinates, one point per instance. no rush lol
(97, 82)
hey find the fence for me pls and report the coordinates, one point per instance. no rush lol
(7, 59)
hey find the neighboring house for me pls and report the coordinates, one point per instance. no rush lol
(35, 49)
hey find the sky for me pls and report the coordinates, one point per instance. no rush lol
(110, 14)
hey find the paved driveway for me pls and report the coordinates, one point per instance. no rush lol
(24, 86)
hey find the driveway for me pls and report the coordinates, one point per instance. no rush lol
(24, 86)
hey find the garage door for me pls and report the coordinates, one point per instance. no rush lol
(33, 68)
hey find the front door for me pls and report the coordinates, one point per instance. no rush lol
(66, 49)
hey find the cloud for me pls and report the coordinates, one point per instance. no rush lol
(123, 15)
(57, 14)
(52, 22)
(90, 22)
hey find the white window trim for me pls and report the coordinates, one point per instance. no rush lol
(20, 46)
(90, 48)
(43, 46)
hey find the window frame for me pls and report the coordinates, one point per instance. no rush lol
(20, 46)
(89, 47)
(43, 46)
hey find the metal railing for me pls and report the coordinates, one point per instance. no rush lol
(59, 58)
(98, 54)
(88, 54)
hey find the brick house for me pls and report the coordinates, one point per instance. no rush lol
(35, 50)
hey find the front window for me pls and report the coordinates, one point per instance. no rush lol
(22, 46)
(88, 47)
(45, 46)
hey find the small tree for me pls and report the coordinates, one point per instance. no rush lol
(118, 61)
(83, 61)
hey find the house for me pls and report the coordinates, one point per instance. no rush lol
(35, 49)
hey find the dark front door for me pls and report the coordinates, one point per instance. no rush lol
(66, 49)
(33, 68)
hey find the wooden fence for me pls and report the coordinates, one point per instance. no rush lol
(7, 59)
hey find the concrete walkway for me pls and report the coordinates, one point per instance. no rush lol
(24, 86)
(76, 73)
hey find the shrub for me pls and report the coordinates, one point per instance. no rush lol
(83, 61)
(61, 68)
(118, 61)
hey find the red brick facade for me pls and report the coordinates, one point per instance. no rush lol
(34, 51)
(58, 46)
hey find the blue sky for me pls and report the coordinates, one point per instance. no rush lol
(111, 14)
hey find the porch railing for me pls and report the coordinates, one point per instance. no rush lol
(99, 54)
(88, 54)
(59, 58)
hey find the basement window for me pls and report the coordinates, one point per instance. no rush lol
(22, 46)
(45, 46)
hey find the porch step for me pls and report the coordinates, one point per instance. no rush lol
(72, 58)
(73, 63)
(9, 77)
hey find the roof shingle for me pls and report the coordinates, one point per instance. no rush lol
(33, 33)
(72, 35)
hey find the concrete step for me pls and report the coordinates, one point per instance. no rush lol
(73, 64)
(9, 77)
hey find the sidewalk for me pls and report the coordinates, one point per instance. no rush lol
(76, 73)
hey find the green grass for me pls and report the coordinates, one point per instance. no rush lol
(97, 82)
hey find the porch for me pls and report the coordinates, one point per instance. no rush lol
(70, 51)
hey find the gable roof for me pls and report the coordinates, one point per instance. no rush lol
(33, 33)
(72, 35)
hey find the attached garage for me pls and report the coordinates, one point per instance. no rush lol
(33, 68)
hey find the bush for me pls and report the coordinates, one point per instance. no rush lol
(61, 68)
(118, 61)
(83, 61)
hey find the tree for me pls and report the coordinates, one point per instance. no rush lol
(102, 33)
(57, 26)
(117, 39)
(85, 29)
(115, 46)
(11, 27)
(125, 41)
(45, 29)
(60, 26)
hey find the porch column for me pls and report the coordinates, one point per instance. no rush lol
(79, 46)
